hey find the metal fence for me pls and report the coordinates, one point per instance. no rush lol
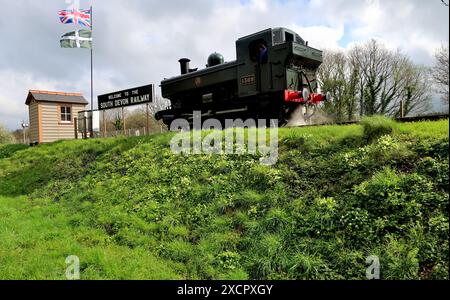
(94, 124)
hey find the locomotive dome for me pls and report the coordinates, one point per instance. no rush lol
(215, 59)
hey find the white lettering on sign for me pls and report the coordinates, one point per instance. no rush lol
(140, 99)
(122, 102)
(124, 98)
(115, 96)
(106, 105)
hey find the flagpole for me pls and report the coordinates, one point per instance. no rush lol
(92, 64)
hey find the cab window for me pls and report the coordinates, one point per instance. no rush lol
(258, 51)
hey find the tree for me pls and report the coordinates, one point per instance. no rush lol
(441, 72)
(117, 123)
(382, 78)
(340, 77)
(415, 92)
(5, 135)
(370, 79)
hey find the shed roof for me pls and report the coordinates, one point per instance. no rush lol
(60, 97)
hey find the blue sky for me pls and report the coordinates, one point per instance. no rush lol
(140, 41)
(346, 38)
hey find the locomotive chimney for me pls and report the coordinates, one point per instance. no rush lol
(184, 65)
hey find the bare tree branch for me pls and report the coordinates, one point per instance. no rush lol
(440, 72)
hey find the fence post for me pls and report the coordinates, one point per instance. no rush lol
(148, 121)
(85, 127)
(104, 124)
(123, 122)
(91, 122)
(76, 127)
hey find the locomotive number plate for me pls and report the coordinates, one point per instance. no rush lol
(248, 80)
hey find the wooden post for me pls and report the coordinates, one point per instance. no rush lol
(148, 122)
(123, 122)
(104, 124)
(75, 120)
(91, 122)
(85, 126)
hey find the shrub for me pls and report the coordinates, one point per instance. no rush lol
(228, 260)
(400, 261)
(357, 225)
(437, 170)
(9, 150)
(386, 195)
(377, 126)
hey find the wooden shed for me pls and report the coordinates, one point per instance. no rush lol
(52, 114)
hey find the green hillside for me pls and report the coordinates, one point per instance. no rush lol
(131, 209)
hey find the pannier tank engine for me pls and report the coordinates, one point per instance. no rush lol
(273, 76)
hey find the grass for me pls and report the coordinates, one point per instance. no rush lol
(131, 209)
(36, 239)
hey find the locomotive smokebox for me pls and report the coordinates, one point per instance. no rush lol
(184, 65)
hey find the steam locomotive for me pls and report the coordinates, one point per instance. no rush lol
(273, 76)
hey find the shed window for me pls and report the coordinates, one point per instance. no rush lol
(66, 114)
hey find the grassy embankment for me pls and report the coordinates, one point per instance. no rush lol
(130, 209)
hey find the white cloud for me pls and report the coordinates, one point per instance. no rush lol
(322, 37)
(11, 86)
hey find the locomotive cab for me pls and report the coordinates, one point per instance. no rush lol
(287, 54)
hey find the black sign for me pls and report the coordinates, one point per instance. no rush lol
(139, 95)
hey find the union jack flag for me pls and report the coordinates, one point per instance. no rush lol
(82, 17)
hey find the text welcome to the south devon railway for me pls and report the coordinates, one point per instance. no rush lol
(140, 95)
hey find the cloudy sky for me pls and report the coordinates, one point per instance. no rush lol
(140, 41)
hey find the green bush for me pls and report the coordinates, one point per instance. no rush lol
(400, 260)
(9, 150)
(387, 196)
(377, 126)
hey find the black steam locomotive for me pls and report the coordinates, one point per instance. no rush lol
(273, 75)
